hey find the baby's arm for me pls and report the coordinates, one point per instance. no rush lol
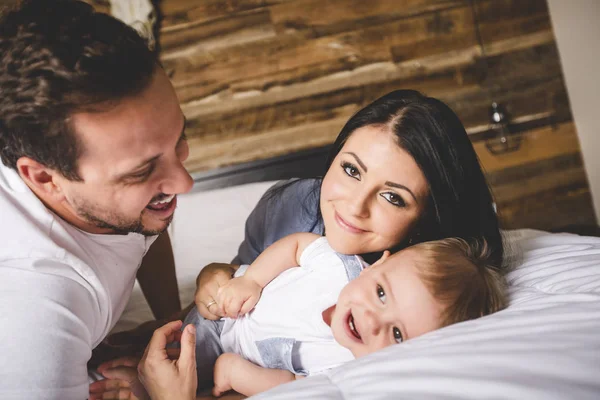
(278, 257)
(232, 372)
(240, 295)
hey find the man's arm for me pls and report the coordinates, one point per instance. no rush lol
(158, 280)
(48, 323)
(232, 372)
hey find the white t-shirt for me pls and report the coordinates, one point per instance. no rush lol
(61, 292)
(286, 329)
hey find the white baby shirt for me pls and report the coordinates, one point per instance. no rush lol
(286, 328)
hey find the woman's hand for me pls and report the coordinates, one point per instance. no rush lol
(238, 296)
(164, 378)
(210, 279)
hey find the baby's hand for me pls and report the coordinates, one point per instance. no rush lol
(238, 296)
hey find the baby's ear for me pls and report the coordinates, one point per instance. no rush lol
(383, 257)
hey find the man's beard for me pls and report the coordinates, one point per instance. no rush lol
(118, 224)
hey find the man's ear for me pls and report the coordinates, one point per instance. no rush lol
(38, 177)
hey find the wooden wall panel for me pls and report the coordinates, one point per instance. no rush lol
(264, 78)
(258, 79)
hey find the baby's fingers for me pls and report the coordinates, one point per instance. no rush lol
(248, 305)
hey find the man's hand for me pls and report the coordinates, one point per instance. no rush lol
(121, 381)
(164, 378)
(210, 279)
(124, 344)
(238, 296)
(224, 367)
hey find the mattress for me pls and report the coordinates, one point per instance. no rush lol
(545, 345)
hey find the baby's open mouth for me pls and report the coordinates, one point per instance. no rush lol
(353, 327)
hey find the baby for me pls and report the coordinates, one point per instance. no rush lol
(334, 308)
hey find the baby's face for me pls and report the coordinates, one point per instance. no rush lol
(387, 304)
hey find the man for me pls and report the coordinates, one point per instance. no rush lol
(92, 144)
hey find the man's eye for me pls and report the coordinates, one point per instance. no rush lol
(394, 199)
(397, 335)
(381, 293)
(351, 170)
(141, 176)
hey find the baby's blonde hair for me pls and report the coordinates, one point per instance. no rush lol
(459, 275)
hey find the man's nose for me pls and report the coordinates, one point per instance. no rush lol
(177, 181)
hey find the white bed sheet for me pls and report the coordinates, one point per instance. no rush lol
(545, 345)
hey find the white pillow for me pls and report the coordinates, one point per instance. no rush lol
(545, 345)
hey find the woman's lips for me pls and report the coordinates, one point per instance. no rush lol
(346, 225)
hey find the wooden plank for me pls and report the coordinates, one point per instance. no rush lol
(375, 74)
(525, 96)
(209, 153)
(285, 60)
(222, 149)
(226, 32)
(182, 14)
(333, 16)
(533, 178)
(536, 145)
(549, 210)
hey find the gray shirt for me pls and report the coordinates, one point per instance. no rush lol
(287, 207)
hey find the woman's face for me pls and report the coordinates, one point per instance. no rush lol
(372, 195)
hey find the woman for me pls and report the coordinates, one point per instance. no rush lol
(402, 171)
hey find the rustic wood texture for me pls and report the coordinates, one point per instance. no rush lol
(262, 78)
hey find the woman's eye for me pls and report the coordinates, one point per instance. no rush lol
(394, 199)
(397, 335)
(351, 170)
(381, 293)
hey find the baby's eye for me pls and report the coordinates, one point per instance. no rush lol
(381, 293)
(351, 170)
(397, 335)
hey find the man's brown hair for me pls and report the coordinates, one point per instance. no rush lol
(57, 58)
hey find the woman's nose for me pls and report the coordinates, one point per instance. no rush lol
(359, 204)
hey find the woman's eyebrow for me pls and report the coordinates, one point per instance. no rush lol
(358, 160)
(402, 187)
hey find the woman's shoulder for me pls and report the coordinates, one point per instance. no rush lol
(291, 206)
(295, 190)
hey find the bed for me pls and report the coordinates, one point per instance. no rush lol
(545, 345)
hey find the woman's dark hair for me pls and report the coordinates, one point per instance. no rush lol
(57, 58)
(460, 203)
